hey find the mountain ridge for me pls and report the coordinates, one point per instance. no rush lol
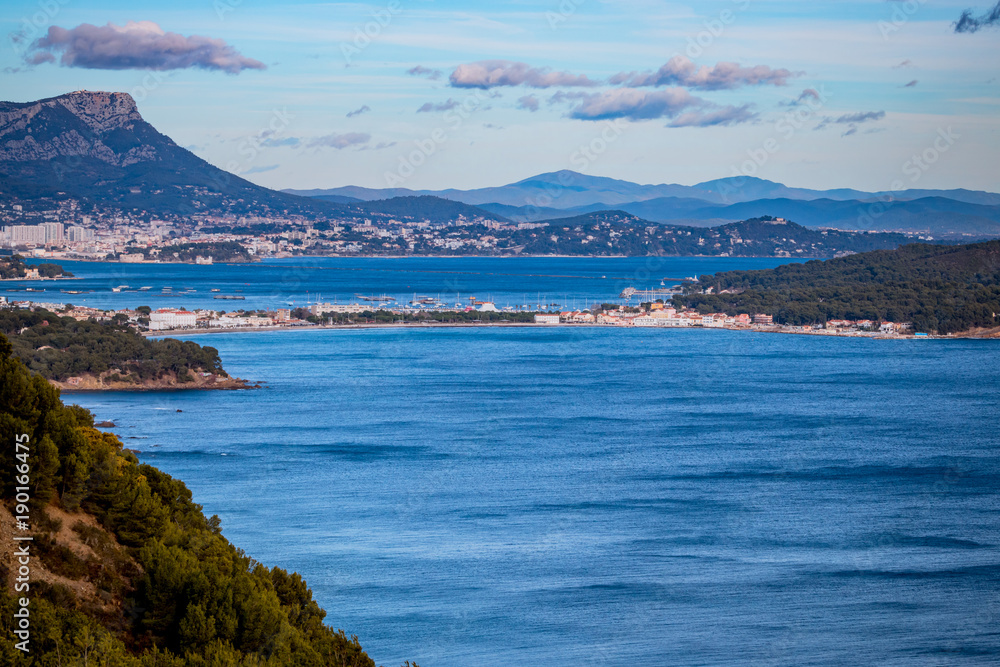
(723, 190)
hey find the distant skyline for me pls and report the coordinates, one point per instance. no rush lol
(425, 94)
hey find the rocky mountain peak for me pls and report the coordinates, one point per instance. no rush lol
(101, 111)
(92, 124)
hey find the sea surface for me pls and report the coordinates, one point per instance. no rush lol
(603, 496)
(608, 497)
(538, 282)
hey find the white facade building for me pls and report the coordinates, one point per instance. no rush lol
(171, 319)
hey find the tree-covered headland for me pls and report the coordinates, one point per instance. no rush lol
(59, 347)
(942, 289)
(126, 570)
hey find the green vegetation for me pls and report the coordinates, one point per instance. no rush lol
(618, 233)
(14, 266)
(943, 289)
(58, 348)
(159, 586)
(220, 251)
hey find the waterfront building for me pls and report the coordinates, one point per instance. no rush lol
(166, 318)
(320, 309)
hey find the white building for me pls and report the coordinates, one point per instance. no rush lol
(54, 231)
(26, 234)
(171, 319)
(319, 309)
(79, 234)
(546, 319)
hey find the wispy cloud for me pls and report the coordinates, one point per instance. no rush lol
(635, 104)
(563, 96)
(426, 72)
(341, 141)
(905, 63)
(272, 142)
(680, 71)
(807, 96)
(729, 115)
(496, 73)
(852, 120)
(969, 23)
(528, 102)
(911, 84)
(442, 106)
(136, 45)
(860, 117)
(260, 170)
(360, 110)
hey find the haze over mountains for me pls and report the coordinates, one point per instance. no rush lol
(96, 147)
(568, 193)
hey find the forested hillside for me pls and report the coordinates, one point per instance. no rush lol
(126, 570)
(59, 347)
(943, 289)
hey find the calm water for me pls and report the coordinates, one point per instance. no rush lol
(608, 497)
(570, 282)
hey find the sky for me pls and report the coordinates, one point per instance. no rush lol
(427, 94)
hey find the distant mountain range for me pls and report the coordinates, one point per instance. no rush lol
(569, 189)
(95, 147)
(568, 193)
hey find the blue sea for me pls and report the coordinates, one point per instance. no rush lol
(602, 496)
(538, 282)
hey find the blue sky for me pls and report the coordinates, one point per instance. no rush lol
(817, 94)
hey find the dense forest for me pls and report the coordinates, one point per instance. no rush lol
(943, 289)
(219, 251)
(14, 266)
(58, 347)
(126, 570)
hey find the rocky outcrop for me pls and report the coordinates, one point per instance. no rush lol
(99, 125)
(111, 381)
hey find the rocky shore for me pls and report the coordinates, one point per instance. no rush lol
(200, 382)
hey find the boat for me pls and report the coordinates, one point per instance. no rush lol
(226, 297)
(216, 289)
(145, 289)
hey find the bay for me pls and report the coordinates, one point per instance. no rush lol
(605, 496)
(570, 282)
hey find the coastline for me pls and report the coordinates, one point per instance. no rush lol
(992, 334)
(91, 384)
(473, 256)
